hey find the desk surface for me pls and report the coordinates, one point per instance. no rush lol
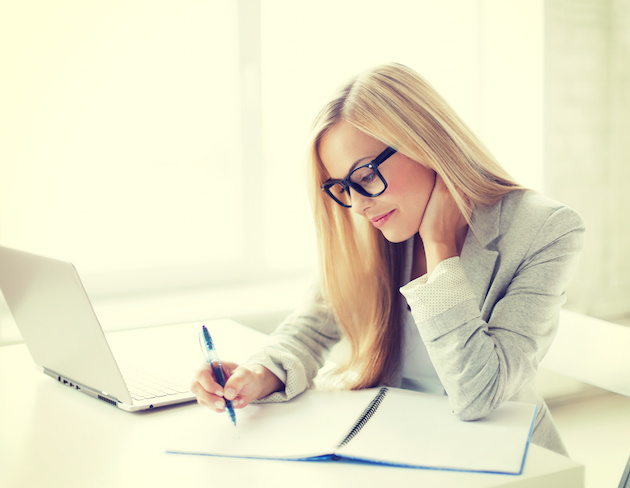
(51, 435)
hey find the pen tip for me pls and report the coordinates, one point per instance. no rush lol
(232, 414)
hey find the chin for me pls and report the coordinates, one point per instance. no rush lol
(397, 237)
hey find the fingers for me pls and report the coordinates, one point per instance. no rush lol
(240, 387)
(208, 392)
(441, 215)
(440, 190)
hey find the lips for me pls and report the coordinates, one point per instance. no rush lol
(381, 220)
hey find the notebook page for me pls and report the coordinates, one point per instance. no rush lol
(310, 425)
(418, 429)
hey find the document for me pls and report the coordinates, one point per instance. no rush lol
(387, 426)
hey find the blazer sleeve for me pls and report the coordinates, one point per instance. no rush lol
(482, 363)
(299, 346)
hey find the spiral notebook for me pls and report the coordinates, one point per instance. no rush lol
(385, 426)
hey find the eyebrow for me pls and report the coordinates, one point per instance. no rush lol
(354, 165)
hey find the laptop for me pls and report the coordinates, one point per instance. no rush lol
(65, 339)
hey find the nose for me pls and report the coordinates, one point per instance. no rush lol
(360, 203)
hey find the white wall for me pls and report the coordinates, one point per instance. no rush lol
(587, 148)
(107, 160)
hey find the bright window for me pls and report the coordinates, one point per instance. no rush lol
(121, 137)
(161, 145)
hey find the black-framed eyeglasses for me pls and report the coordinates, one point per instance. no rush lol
(366, 180)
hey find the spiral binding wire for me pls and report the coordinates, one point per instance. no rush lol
(365, 416)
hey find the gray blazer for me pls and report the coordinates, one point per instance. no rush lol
(518, 258)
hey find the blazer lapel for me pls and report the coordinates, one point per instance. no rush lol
(477, 257)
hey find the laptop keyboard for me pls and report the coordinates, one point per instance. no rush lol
(144, 386)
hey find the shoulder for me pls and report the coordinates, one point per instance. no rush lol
(529, 215)
(532, 222)
(532, 203)
(522, 216)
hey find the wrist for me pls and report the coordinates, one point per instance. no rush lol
(268, 382)
(436, 252)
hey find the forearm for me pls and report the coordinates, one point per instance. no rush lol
(296, 351)
(463, 353)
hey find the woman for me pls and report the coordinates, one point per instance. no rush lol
(443, 274)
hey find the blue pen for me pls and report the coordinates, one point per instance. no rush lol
(207, 346)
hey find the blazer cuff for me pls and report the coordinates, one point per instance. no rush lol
(286, 368)
(445, 288)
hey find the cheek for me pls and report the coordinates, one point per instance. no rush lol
(411, 188)
(410, 194)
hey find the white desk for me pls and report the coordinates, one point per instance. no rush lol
(53, 436)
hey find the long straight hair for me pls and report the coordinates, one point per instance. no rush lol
(360, 270)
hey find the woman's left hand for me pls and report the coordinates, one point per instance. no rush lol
(440, 224)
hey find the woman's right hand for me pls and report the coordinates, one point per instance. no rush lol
(244, 384)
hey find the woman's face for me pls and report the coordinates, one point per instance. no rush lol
(397, 212)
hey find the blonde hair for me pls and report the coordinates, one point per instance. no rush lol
(359, 267)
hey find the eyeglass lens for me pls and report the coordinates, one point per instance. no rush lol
(364, 177)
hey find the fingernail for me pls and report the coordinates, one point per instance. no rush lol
(219, 404)
(219, 393)
(230, 393)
